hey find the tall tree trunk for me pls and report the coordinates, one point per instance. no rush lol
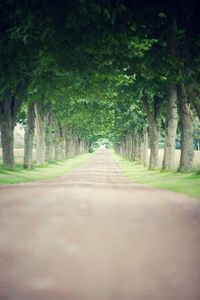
(28, 137)
(71, 143)
(187, 151)
(7, 141)
(154, 129)
(59, 153)
(133, 144)
(154, 144)
(70, 147)
(82, 146)
(9, 107)
(49, 138)
(77, 146)
(67, 154)
(40, 134)
(86, 146)
(146, 147)
(74, 145)
(121, 149)
(124, 147)
(7, 123)
(137, 147)
(170, 134)
(50, 149)
(141, 148)
(129, 146)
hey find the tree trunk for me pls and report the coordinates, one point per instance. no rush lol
(170, 135)
(82, 147)
(50, 138)
(40, 134)
(67, 154)
(71, 144)
(129, 146)
(154, 144)
(137, 147)
(86, 147)
(124, 147)
(154, 129)
(77, 146)
(141, 148)
(50, 150)
(9, 107)
(146, 147)
(187, 151)
(7, 141)
(7, 123)
(28, 137)
(59, 153)
(71, 147)
(133, 144)
(120, 149)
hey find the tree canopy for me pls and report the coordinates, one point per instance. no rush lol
(103, 68)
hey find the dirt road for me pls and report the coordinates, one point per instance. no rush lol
(92, 235)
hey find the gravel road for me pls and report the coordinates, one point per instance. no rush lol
(93, 235)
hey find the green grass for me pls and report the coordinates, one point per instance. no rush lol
(187, 183)
(50, 170)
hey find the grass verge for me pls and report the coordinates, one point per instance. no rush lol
(187, 183)
(50, 170)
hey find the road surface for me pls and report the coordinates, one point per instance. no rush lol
(93, 235)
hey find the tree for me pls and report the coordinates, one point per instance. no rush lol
(29, 136)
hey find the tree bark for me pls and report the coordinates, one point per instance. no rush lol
(28, 137)
(71, 144)
(40, 134)
(7, 141)
(82, 147)
(124, 148)
(59, 152)
(187, 151)
(77, 146)
(154, 129)
(71, 148)
(50, 138)
(133, 144)
(129, 146)
(8, 111)
(141, 148)
(137, 147)
(170, 134)
(67, 142)
(9, 107)
(146, 146)
(50, 150)
(154, 145)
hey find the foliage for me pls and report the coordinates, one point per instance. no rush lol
(90, 62)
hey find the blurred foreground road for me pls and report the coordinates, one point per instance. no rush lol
(93, 235)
